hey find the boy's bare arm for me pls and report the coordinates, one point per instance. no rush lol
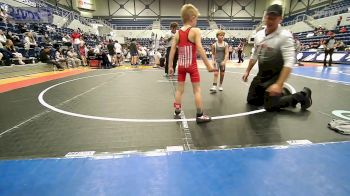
(198, 42)
(226, 54)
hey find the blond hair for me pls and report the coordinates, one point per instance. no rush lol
(188, 11)
(220, 32)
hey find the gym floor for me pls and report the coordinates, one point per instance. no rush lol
(112, 131)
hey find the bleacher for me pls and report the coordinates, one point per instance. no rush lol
(237, 24)
(324, 11)
(39, 29)
(124, 23)
(344, 37)
(145, 42)
(233, 42)
(330, 10)
(202, 24)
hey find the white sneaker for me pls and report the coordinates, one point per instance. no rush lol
(220, 88)
(213, 89)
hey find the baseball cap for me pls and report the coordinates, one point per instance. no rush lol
(274, 9)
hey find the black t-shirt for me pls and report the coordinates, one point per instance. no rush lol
(110, 48)
(133, 48)
(44, 56)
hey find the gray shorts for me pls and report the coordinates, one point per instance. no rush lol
(219, 66)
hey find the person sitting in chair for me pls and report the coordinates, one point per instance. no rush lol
(46, 58)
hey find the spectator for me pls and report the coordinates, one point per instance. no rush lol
(14, 38)
(50, 29)
(76, 40)
(240, 49)
(133, 52)
(111, 52)
(59, 57)
(29, 42)
(3, 15)
(82, 51)
(35, 27)
(105, 62)
(2, 37)
(73, 60)
(45, 58)
(168, 41)
(157, 56)
(340, 46)
(329, 33)
(339, 20)
(97, 49)
(347, 49)
(66, 40)
(47, 40)
(320, 30)
(343, 30)
(6, 55)
(91, 53)
(297, 46)
(11, 48)
(22, 28)
(125, 54)
(230, 52)
(118, 51)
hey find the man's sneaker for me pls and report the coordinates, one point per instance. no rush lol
(203, 119)
(220, 88)
(213, 89)
(307, 102)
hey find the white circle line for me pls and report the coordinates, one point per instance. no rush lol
(340, 113)
(292, 89)
(44, 103)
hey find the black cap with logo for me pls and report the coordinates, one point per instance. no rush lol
(274, 9)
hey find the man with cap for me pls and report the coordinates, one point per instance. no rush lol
(275, 53)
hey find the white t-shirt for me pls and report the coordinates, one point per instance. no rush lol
(76, 41)
(118, 48)
(275, 48)
(169, 39)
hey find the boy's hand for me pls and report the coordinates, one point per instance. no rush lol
(171, 71)
(210, 68)
(245, 77)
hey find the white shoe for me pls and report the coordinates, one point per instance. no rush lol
(220, 88)
(213, 89)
